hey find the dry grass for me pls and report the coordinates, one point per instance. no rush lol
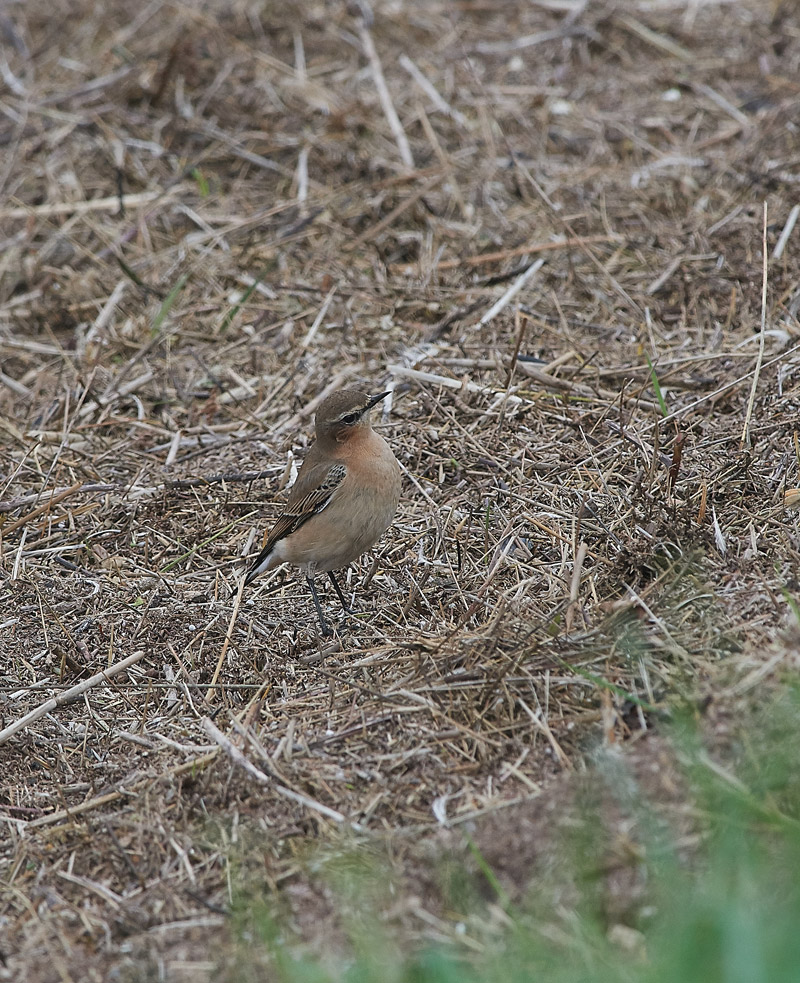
(211, 217)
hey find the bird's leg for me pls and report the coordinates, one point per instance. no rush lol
(345, 607)
(323, 624)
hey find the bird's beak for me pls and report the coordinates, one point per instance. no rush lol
(375, 399)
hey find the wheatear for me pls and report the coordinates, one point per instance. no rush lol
(344, 498)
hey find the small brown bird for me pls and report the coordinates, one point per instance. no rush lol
(344, 498)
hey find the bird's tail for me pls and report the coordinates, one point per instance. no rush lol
(262, 563)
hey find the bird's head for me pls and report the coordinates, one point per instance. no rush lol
(345, 414)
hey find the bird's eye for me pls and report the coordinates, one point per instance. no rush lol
(351, 418)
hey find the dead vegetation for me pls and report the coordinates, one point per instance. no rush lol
(214, 215)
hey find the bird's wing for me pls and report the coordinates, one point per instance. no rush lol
(310, 495)
(312, 492)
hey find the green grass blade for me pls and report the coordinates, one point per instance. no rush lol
(657, 387)
(169, 300)
(205, 542)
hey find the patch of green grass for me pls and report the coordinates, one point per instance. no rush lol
(200, 179)
(721, 905)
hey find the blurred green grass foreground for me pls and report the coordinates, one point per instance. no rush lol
(711, 889)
